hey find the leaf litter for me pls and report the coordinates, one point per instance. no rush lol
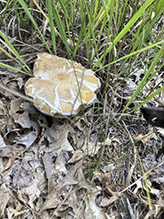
(44, 161)
(43, 166)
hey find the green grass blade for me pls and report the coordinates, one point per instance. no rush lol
(61, 29)
(14, 51)
(147, 99)
(11, 68)
(132, 21)
(150, 70)
(131, 54)
(50, 16)
(23, 4)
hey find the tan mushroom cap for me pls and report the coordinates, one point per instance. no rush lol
(56, 84)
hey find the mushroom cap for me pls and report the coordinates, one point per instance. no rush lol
(56, 84)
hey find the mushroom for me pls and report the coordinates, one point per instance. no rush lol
(61, 86)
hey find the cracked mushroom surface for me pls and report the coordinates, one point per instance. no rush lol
(56, 84)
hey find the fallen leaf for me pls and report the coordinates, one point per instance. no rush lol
(5, 197)
(57, 135)
(92, 209)
(27, 139)
(78, 155)
(55, 197)
(47, 161)
(146, 138)
(108, 201)
(22, 175)
(90, 148)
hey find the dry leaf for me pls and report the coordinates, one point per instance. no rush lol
(55, 197)
(78, 155)
(5, 197)
(92, 210)
(108, 201)
(22, 176)
(146, 138)
(90, 148)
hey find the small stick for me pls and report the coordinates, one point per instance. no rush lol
(16, 93)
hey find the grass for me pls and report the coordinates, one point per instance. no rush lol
(114, 38)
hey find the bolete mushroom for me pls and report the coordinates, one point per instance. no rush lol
(61, 86)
